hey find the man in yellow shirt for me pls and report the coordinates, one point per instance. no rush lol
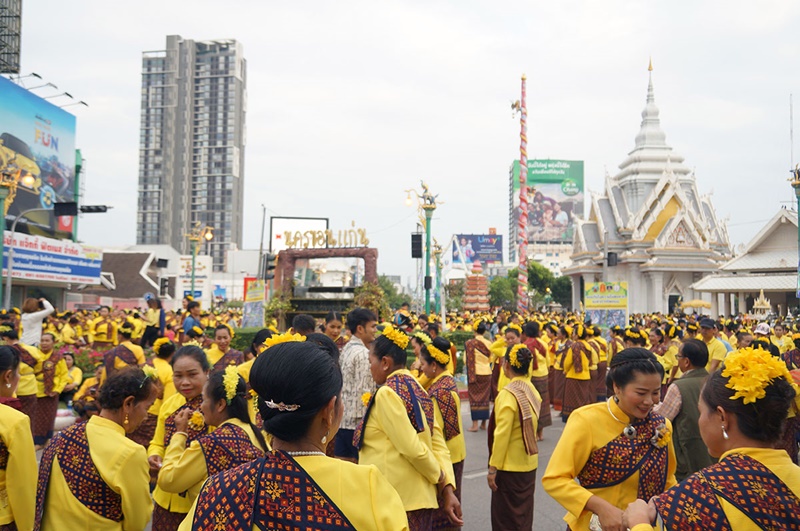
(716, 349)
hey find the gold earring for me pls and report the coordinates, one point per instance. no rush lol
(126, 420)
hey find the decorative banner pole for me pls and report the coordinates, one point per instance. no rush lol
(522, 228)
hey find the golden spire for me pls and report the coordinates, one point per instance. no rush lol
(650, 67)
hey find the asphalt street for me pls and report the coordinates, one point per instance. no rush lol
(476, 496)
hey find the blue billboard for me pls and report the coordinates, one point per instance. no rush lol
(37, 147)
(486, 248)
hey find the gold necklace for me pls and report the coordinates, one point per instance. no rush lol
(629, 431)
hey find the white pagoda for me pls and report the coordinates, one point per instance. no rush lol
(665, 234)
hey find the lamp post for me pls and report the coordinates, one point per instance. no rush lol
(427, 202)
(198, 232)
(9, 179)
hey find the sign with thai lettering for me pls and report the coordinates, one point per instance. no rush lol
(50, 260)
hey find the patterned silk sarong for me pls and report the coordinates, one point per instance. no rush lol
(25, 356)
(169, 423)
(622, 457)
(743, 482)
(417, 403)
(442, 390)
(122, 352)
(469, 352)
(49, 372)
(71, 448)
(273, 492)
(227, 447)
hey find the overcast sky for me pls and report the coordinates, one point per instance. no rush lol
(351, 102)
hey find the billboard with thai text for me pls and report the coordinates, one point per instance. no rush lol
(51, 260)
(37, 149)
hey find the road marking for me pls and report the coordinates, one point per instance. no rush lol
(475, 475)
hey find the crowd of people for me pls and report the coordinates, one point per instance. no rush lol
(683, 422)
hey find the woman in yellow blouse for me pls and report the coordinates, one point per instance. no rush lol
(190, 373)
(17, 455)
(399, 435)
(93, 477)
(617, 450)
(755, 485)
(659, 345)
(514, 453)
(235, 440)
(299, 388)
(447, 413)
(579, 363)
(559, 346)
(126, 354)
(74, 378)
(419, 340)
(220, 355)
(479, 375)
(51, 378)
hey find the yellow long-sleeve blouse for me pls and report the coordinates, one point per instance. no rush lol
(586, 362)
(377, 506)
(123, 466)
(75, 376)
(60, 378)
(411, 461)
(590, 428)
(508, 448)
(777, 461)
(185, 468)
(457, 446)
(17, 496)
(164, 372)
(103, 331)
(27, 374)
(174, 502)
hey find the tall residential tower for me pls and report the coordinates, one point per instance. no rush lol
(191, 156)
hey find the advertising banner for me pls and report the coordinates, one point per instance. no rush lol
(203, 289)
(253, 309)
(47, 259)
(605, 295)
(280, 227)
(487, 248)
(555, 197)
(37, 147)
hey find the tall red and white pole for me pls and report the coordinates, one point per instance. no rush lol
(522, 227)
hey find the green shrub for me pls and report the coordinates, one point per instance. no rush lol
(243, 338)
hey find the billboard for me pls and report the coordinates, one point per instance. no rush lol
(605, 295)
(203, 289)
(280, 227)
(555, 198)
(486, 248)
(37, 146)
(40, 258)
(253, 309)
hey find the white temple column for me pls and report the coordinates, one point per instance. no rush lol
(657, 302)
(742, 303)
(714, 311)
(576, 293)
(727, 303)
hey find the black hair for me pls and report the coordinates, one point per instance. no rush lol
(433, 328)
(166, 350)
(237, 407)
(481, 328)
(695, 351)
(385, 347)
(69, 353)
(531, 329)
(419, 341)
(194, 334)
(74, 320)
(194, 352)
(304, 324)
(627, 362)
(333, 316)
(581, 331)
(192, 305)
(9, 359)
(125, 330)
(659, 333)
(762, 420)
(295, 373)
(634, 335)
(258, 339)
(552, 328)
(129, 381)
(223, 327)
(359, 317)
(441, 344)
(11, 333)
(524, 357)
(760, 343)
(512, 330)
(325, 343)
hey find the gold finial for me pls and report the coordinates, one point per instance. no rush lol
(650, 67)
(524, 77)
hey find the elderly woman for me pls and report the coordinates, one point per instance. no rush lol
(754, 485)
(299, 388)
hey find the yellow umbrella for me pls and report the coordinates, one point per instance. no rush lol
(697, 303)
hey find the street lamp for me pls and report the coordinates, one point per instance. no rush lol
(427, 202)
(199, 232)
(10, 177)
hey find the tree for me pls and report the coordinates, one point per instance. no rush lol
(393, 298)
(503, 291)
(454, 294)
(539, 277)
(371, 296)
(562, 291)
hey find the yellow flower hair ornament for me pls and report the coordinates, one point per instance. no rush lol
(750, 371)
(395, 336)
(287, 337)
(513, 358)
(438, 355)
(230, 330)
(197, 421)
(422, 336)
(514, 326)
(231, 381)
(197, 330)
(150, 372)
(160, 342)
(662, 436)
(365, 398)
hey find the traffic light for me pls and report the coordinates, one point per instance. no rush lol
(65, 209)
(269, 267)
(94, 209)
(416, 245)
(163, 287)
